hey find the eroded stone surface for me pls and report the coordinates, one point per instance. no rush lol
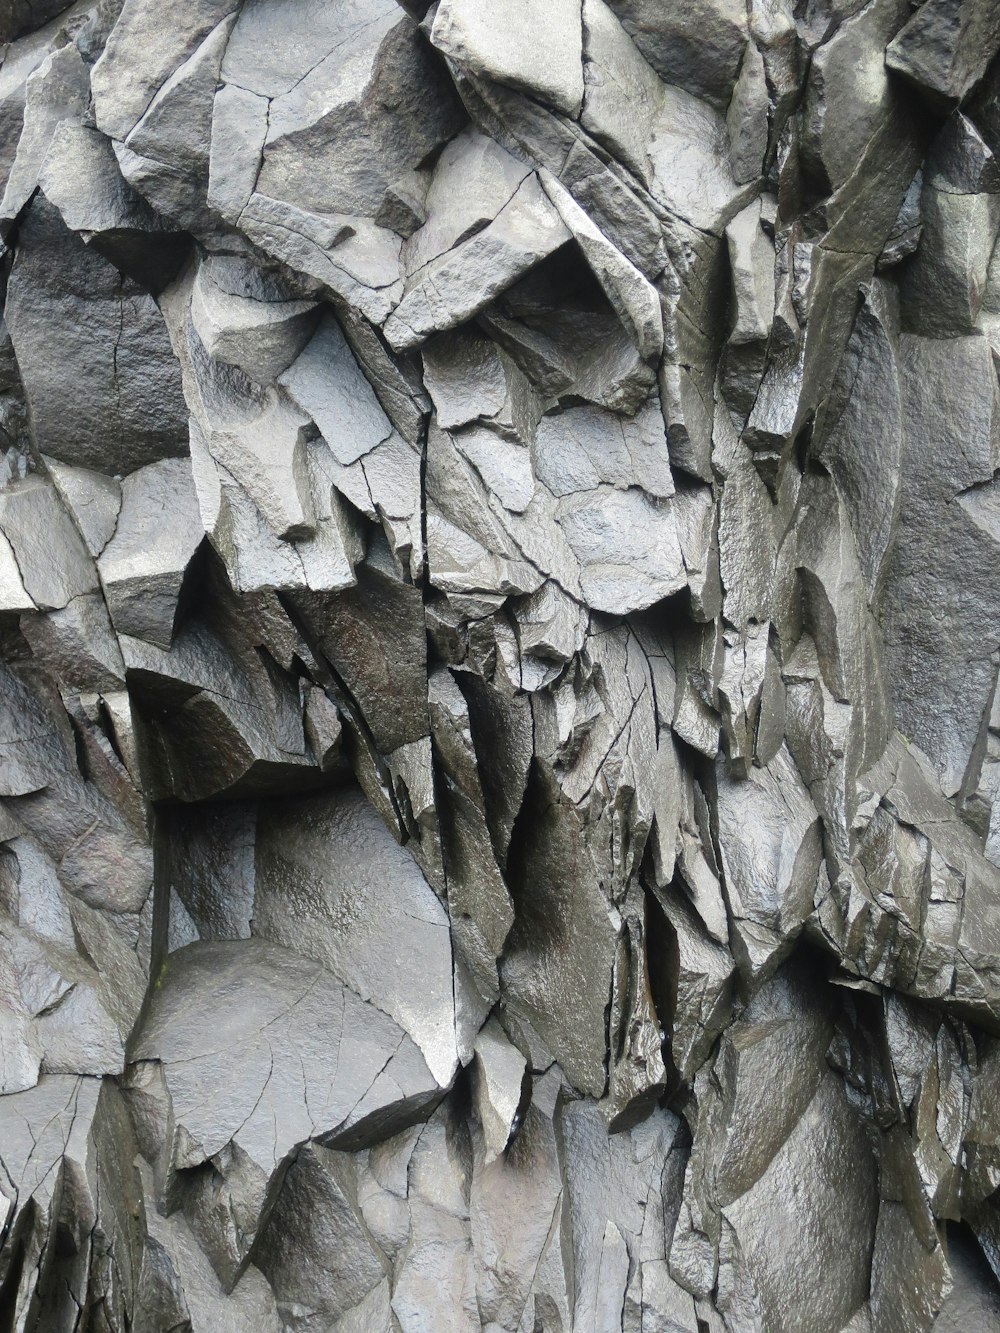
(499, 735)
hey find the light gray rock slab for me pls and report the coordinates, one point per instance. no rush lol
(326, 382)
(53, 562)
(450, 289)
(549, 67)
(770, 855)
(55, 92)
(142, 567)
(331, 881)
(145, 48)
(238, 131)
(622, 92)
(272, 50)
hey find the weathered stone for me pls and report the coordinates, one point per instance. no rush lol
(550, 66)
(945, 47)
(157, 532)
(373, 1081)
(695, 45)
(122, 406)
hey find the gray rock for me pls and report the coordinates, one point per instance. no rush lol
(360, 119)
(869, 479)
(55, 92)
(261, 335)
(499, 738)
(330, 880)
(770, 857)
(549, 67)
(52, 561)
(317, 1252)
(945, 48)
(146, 47)
(143, 566)
(449, 289)
(372, 1082)
(697, 46)
(500, 1071)
(945, 491)
(342, 404)
(946, 280)
(123, 407)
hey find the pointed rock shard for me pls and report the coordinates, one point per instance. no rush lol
(145, 47)
(770, 845)
(331, 882)
(500, 1074)
(457, 284)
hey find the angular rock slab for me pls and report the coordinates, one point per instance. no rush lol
(258, 1052)
(332, 883)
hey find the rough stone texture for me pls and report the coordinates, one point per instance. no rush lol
(499, 643)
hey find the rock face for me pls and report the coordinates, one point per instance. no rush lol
(499, 644)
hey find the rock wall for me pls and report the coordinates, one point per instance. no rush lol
(499, 632)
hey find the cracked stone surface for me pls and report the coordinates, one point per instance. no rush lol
(499, 645)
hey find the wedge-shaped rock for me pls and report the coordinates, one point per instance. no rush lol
(488, 42)
(622, 92)
(696, 45)
(317, 1251)
(515, 1224)
(143, 566)
(145, 48)
(326, 381)
(868, 472)
(70, 1138)
(451, 288)
(286, 1054)
(618, 1228)
(374, 636)
(242, 319)
(633, 299)
(824, 1177)
(770, 847)
(223, 716)
(500, 1072)
(55, 91)
(359, 119)
(81, 176)
(332, 882)
(77, 645)
(691, 171)
(849, 92)
(946, 46)
(52, 560)
(93, 499)
(177, 1283)
(356, 260)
